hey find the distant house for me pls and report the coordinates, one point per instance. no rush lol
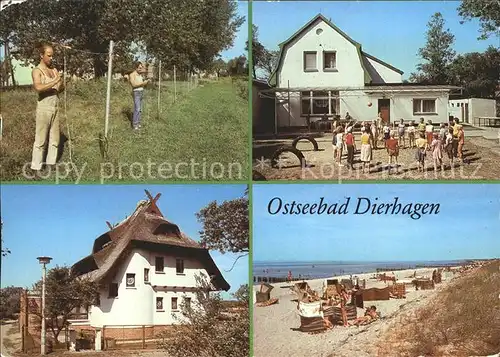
(323, 72)
(146, 268)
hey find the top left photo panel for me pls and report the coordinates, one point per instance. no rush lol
(121, 91)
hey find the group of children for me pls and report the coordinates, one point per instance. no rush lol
(449, 140)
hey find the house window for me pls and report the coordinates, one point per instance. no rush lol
(329, 60)
(159, 265)
(179, 266)
(174, 303)
(130, 280)
(146, 275)
(310, 61)
(187, 301)
(159, 304)
(424, 106)
(113, 290)
(320, 103)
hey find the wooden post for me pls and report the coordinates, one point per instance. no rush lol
(289, 107)
(65, 69)
(108, 92)
(175, 84)
(143, 337)
(159, 88)
(23, 340)
(104, 336)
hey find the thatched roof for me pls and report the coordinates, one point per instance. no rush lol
(145, 228)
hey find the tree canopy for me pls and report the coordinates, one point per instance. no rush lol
(263, 58)
(225, 226)
(437, 53)
(65, 292)
(179, 32)
(488, 13)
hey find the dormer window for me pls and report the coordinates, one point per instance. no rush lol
(329, 61)
(310, 61)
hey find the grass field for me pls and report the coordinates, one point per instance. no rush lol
(202, 136)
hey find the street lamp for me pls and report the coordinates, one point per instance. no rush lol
(44, 261)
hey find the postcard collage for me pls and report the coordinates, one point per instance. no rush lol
(229, 178)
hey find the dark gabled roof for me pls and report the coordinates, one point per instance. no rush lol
(367, 77)
(146, 227)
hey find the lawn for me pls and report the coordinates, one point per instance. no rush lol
(203, 135)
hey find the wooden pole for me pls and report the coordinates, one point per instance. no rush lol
(175, 84)
(289, 106)
(143, 337)
(65, 69)
(159, 88)
(108, 92)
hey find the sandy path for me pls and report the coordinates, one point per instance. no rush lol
(9, 338)
(274, 333)
(482, 154)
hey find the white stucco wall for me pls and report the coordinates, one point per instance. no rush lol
(477, 107)
(387, 75)
(137, 305)
(350, 72)
(356, 103)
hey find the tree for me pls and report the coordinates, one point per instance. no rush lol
(225, 226)
(477, 73)
(238, 66)
(179, 32)
(64, 292)
(209, 328)
(269, 62)
(437, 53)
(219, 66)
(262, 58)
(84, 28)
(10, 302)
(488, 13)
(188, 34)
(258, 50)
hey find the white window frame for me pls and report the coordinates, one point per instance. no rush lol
(328, 69)
(132, 275)
(421, 112)
(315, 69)
(160, 298)
(176, 303)
(333, 97)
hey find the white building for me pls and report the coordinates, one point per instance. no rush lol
(322, 72)
(146, 268)
(469, 110)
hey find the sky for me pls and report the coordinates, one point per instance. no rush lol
(466, 228)
(393, 31)
(62, 221)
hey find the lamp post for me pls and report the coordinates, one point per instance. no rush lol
(44, 261)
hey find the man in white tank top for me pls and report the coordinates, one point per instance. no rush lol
(138, 83)
(48, 84)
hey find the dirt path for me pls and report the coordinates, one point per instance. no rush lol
(11, 339)
(482, 157)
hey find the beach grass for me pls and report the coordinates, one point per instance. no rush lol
(463, 320)
(202, 135)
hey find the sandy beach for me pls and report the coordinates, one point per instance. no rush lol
(275, 326)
